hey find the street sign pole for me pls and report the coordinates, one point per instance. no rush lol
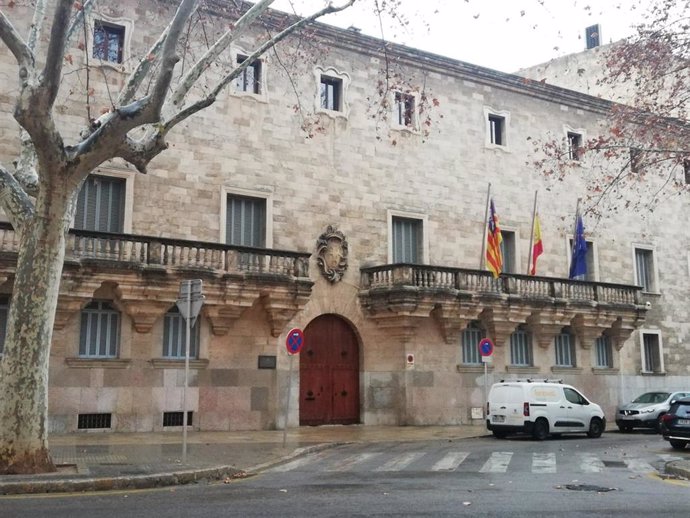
(486, 349)
(287, 403)
(293, 343)
(189, 302)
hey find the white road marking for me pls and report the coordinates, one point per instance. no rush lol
(497, 463)
(451, 461)
(543, 463)
(590, 463)
(348, 462)
(400, 462)
(638, 466)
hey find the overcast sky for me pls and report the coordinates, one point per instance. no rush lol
(505, 35)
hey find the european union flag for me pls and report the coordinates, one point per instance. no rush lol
(578, 262)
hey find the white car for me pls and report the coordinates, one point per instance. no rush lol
(540, 408)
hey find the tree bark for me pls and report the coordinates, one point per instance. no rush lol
(24, 366)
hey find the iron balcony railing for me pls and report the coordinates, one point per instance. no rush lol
(172, 253)
(482, 282)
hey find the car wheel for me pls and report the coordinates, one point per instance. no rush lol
(596, 428)
(541, 429)
(678, 445)
(499, 435)
(658, 424)
(624, 428)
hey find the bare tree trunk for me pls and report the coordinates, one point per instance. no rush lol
(24, 367)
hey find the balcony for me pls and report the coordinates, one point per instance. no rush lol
(400, 296)
(145, 273)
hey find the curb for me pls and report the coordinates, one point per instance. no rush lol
(678, 468)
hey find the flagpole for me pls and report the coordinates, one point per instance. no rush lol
(486, 219)
(531, 234)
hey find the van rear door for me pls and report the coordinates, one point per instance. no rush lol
(506, 403)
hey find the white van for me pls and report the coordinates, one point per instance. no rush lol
(540, 408)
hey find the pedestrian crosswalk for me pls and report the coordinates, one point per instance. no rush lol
(449, 461)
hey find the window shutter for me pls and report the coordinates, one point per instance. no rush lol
(246, 221)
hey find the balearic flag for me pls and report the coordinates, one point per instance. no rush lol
(494, 257)
(537, 247)
(578, 262)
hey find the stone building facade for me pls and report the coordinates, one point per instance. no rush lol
(364, 229)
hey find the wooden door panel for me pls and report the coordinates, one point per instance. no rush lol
(345, 396)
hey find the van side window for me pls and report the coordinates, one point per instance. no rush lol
(574, 397)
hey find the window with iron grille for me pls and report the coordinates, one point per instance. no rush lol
(175, 336)
(565, 349)
(574, 145)
(108, 42)
(407, 240)
(331, 91)
(4, 313)
(246, 221)
(100, 331)
(521, 347)
(470, 343)
(644, 269)
(93, 421)
(604, 352)
(404, 109)
(497, 129)
(249, 79)
(177, 418)
(101, 204)
(651, 349)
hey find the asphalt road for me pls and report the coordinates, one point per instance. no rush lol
(616, 475)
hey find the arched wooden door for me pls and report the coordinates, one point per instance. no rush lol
(329, 373)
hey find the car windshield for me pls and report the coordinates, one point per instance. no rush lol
(652, 397)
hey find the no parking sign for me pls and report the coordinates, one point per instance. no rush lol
(294, 341)
(486, 347)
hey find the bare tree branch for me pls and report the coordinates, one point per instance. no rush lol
(142, 70)
(56, 53)
(216, 49)
(36, 25)
(17, 46)
(17, 204)
(78, 21)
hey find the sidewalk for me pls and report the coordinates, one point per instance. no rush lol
(106, 461)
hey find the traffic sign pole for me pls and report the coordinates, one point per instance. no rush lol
(486, 349)
(293, 343)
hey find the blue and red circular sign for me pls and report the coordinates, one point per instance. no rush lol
(294, 341)
(486, 347)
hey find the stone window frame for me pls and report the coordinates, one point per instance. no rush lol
(503, 114)
(580, 132)
(643, 356)
(413, 127)
(655, 267)
(516, 247)
(127, 25)
(424, 218)
(345, 81)
(262, 96)
(129, 177)
(229, 191)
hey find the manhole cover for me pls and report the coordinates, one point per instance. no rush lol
(589, 487)
(614, 464)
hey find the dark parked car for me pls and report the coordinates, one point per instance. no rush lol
(646, 411)
(675, 424)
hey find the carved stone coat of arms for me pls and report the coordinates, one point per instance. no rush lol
(331, 254)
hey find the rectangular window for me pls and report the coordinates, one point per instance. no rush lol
(604, 353)
(4, 313)
(108, 42)
(177, 418)
(101, 204)
(651, 353)
(331, 93)
(404, 107)
(407, 240)
(470, 344)
(644, 269)
(508, 249)
(249, 79)
(497, 130)
(565, 350)
(100, 331)
(574, 145)
(520, 348)
(175, 336)
(245, 221)
(93, 421)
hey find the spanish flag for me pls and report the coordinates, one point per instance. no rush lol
(537, 247)
(494, 257)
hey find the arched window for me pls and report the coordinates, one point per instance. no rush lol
(521, 347)
(175, 336)
(100, 330)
